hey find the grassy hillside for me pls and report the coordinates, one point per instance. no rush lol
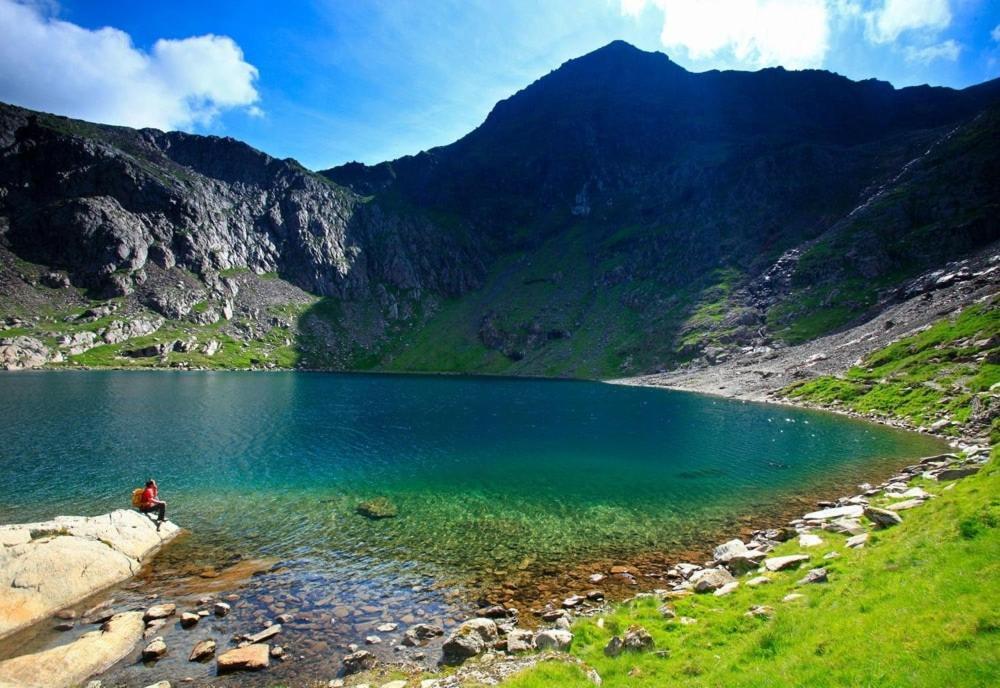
(918, 606)
(942, 374)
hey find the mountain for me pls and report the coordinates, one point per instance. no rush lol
(620, 215)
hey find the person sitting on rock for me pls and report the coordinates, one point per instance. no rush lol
(150, 503)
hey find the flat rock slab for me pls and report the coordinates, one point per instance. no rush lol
(849, 511)
(72, 664)
(47, 566)
(782, 563)
(250, 658)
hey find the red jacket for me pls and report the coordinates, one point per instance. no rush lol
(148, 497)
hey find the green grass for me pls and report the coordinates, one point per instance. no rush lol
(917, 607)
(932, 374)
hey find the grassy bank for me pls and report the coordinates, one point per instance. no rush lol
(918, 606)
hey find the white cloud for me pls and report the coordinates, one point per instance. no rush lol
(948, 50)
(791, 33)
(894, 17)
(995, 33)
(55, 66)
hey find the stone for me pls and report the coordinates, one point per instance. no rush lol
(284, 618)
(372, 640)
(73, 663)
(614, 647)
(758, 580)
(791, 597)
(159, 611)
(905, 504)
(849, 511)
(386, 627)
(395, 684)
(916, 493)
(728, 550)
(471, 638)
(221, 609)
(596, 578)
(748, 561)
(359, 661)
(810, 540)
(248, 658)
(638, 639)
(687, 620)
(377, 508)
(760, 611)
(420, 633)
(159, 684)
(188, 619)
(553, 639)
(520, 640)
(277, 652)
(956, 473)
(154, 650)
(50, 565)
(726, 589)
(814, 576)
(707, 580)
(857, 540)
(267, 633)
(845, 525)
(202, 650)
(686, 570)
(882, 518)
(786, 562)
(667, 612)
(23, 353)
(831, 555)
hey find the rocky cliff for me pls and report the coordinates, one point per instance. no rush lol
(620, 215)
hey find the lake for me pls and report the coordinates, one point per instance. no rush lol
(499, 483)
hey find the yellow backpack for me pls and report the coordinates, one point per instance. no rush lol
(137, 497)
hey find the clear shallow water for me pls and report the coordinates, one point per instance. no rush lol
(493, 478)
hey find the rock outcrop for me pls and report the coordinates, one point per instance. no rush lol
(49, 565)
(73, 663)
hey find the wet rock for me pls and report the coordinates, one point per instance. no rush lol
(188, 619)
(377, 508)
(420, 633)
(386, 627)
(65, 626)
(553, 639)
(814, 576)
(473, 637)
(250, 658)
(154, 650)
(787, 562)
(202, 651)
(159, 611)
(372, 640)
(261, 636)
(882, 518)
(285, 618)
(359, 661)
(277, 652)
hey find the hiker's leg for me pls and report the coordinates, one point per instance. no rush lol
(162, 511)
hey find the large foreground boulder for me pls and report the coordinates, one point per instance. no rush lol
(74, 663)
(50, 565)
(470, 639)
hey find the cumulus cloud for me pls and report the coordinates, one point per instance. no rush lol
(792, 33)
(893, 17)
(948, 50)
(56, 66)
(995, 33)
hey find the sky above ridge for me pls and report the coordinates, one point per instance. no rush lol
(329, 81)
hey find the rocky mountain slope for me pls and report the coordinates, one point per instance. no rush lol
(619, 216)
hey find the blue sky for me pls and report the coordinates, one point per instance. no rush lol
(328, 81)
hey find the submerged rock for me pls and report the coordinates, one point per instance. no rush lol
(202, 650)
(359, 661)
(420, 633)
(379, 507)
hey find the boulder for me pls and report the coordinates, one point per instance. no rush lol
(845, 525)
(728, 550)
(520, 640)
(614, 647)
(742, 563)
(882, 518)
(473, 637)
(202, 650)
(47, 566)
(188, 619)
(159, 611)
(359, 661)
(707, 580)
(956, 473)
(857, 540)
(72, 664)
(221, 608)
(553, 639)
(638, 639)
(787, 562)
(814, 576)
(23, 353)
(249, 658)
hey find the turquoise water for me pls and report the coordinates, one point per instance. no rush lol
(488, 474)
(500, 485)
